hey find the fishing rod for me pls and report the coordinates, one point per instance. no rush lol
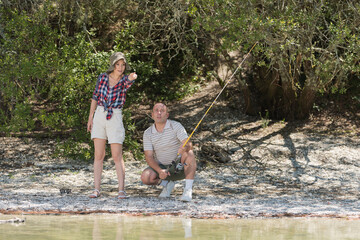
(178, 164)
(187, 140)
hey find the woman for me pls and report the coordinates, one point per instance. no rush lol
(105, 119)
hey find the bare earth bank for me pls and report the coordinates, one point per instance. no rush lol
(272, 169)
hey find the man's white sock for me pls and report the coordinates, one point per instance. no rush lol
(163, 183)
(188, 183)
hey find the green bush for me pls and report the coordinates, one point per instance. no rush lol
(51, 53)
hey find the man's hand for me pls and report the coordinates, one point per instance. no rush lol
(163, 174)
(185, 149)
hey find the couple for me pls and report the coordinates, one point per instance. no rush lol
(163, 141)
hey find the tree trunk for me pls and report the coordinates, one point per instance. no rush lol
(308, 94)
(267, 83)
(289, 94)
(305, 102)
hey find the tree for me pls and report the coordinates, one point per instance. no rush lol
(52, 52)
(305, 47)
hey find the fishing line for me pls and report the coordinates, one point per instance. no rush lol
(219, 94)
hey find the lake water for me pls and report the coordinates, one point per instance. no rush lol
(111, 226)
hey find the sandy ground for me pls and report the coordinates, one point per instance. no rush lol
(274, 169)
(311, 176)
(303, 186)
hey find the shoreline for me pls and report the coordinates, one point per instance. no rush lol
(219, 216)
(140, 206)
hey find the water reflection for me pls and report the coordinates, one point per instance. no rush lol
(98, 227)
(187, 227)
(141, 227)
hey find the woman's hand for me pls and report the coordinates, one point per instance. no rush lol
(132, 76)
(89, 125)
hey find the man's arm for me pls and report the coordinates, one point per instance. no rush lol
(149, 157)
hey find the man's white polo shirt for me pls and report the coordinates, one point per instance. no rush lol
(166, 144)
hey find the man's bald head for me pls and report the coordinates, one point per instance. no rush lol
(158, 106)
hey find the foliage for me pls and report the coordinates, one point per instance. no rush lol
(305, 47)
(51, 53)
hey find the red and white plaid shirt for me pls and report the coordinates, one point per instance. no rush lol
(111, 97)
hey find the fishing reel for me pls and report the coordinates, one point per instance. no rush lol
(178, 165)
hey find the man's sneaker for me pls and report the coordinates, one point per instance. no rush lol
(187, 195)
(167, 190)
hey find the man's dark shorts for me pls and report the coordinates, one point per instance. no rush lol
(174, 176)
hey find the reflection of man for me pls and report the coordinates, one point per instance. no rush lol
(186, 222)
(163, 142)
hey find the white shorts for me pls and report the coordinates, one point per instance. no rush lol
(113, 129)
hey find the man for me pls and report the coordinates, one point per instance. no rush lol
(163, 143)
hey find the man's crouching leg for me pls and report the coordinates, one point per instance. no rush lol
(188, 159)
(150, 177)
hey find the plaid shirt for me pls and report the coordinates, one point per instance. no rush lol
(111, 97)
